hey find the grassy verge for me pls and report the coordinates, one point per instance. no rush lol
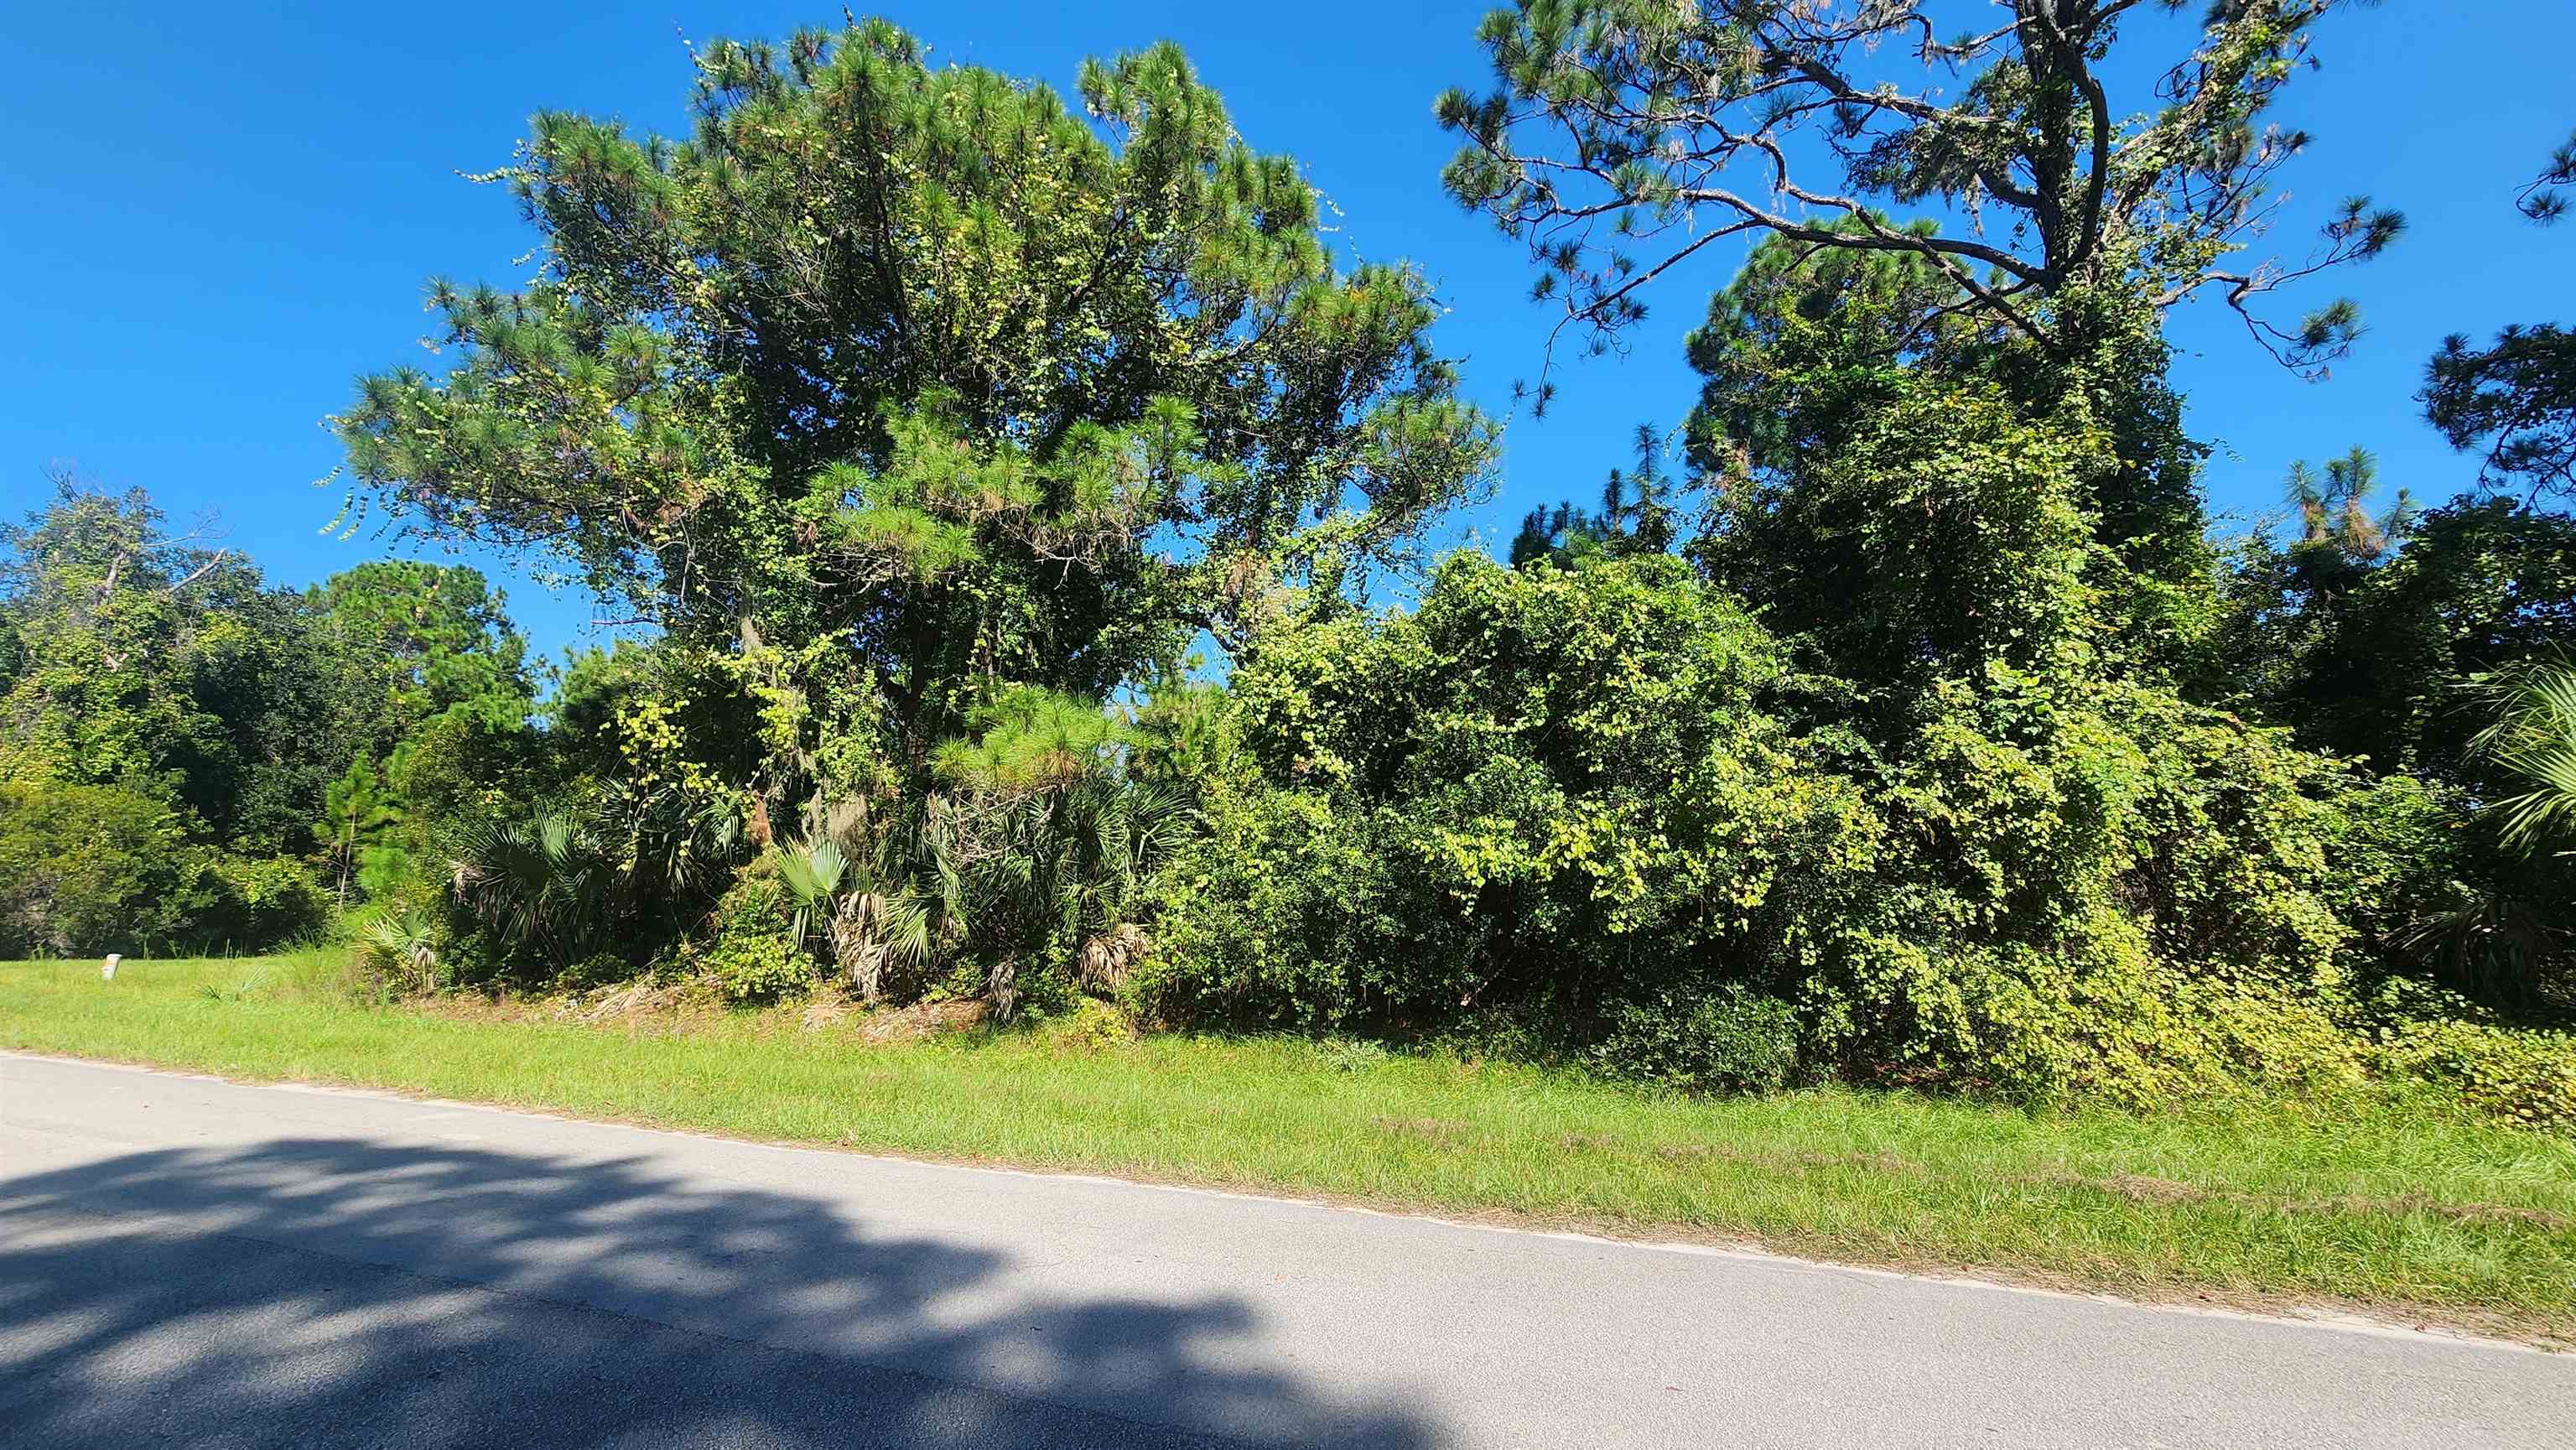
(2402, 1208)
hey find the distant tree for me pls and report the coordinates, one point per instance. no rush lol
(146, 659)
(1638, 515)
(2331, 512)
(1557, 535)
(2368, 651)
(357, 814)
(2516, 397)
(2285, 605)
(430, 638)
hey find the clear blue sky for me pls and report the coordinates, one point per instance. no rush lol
(216, 220)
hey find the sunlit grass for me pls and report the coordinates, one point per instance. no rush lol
(2400, 1204)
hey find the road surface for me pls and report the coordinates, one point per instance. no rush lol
(191, 1262)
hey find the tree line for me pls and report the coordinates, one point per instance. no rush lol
(1014, 489)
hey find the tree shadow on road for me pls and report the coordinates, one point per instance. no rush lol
(326, 1292)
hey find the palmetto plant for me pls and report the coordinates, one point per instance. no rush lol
(813, 874)
(1065, 869)
(2511, 942)
(2534, 739)
(1045, 837)
(401, 951)
(874, 922)
(541, 883)
(679, 845)
(551, 885)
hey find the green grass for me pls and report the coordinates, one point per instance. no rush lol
(2403, 1207)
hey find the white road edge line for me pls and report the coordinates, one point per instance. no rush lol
(2334, 1320)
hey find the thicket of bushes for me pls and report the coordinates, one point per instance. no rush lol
(1916, 730)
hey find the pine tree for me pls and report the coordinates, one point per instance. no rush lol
(981, 385)
(1638, 515)
(1624, 136)
(2515, 397)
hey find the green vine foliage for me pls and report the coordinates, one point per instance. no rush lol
(1588, 788)
(1902, 743)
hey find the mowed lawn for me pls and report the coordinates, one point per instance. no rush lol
(2403, 1209)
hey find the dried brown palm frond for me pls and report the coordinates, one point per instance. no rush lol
(1109, 957)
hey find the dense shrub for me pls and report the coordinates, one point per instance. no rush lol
(258, 905)
(90, 869)
(1512, 789)
(2107, 892)
(1729, 1039)
(753, 956)
(1275, 917)
(1586, 790)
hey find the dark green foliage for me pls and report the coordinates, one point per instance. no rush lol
(92, 868)
(1045, 847)
(2442, 660)
(2541, 200)
(1732, 1040)
(2366, 652)
(1499, 798)
(260, 905)
(261, 721)
(2394, 657)
(2514, 399)
(535, 887)
(537, 892)
(1281, 917)
(429, 639)
(1851, 433)
(1551, 791)
(754, 956)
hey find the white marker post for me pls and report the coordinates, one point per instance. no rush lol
(107, 969)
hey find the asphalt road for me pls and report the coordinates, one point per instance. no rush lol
(191, 1262)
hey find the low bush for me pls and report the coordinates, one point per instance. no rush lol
(752, 956)
(2521, 1073)
(262, 905)
(397, 951)
(1728, 1039)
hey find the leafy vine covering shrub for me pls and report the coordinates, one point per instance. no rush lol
(2416, 1032)
(264, 904)
(1274, 918)
(2524, 1077)
(752, 956)
(1605, 788)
